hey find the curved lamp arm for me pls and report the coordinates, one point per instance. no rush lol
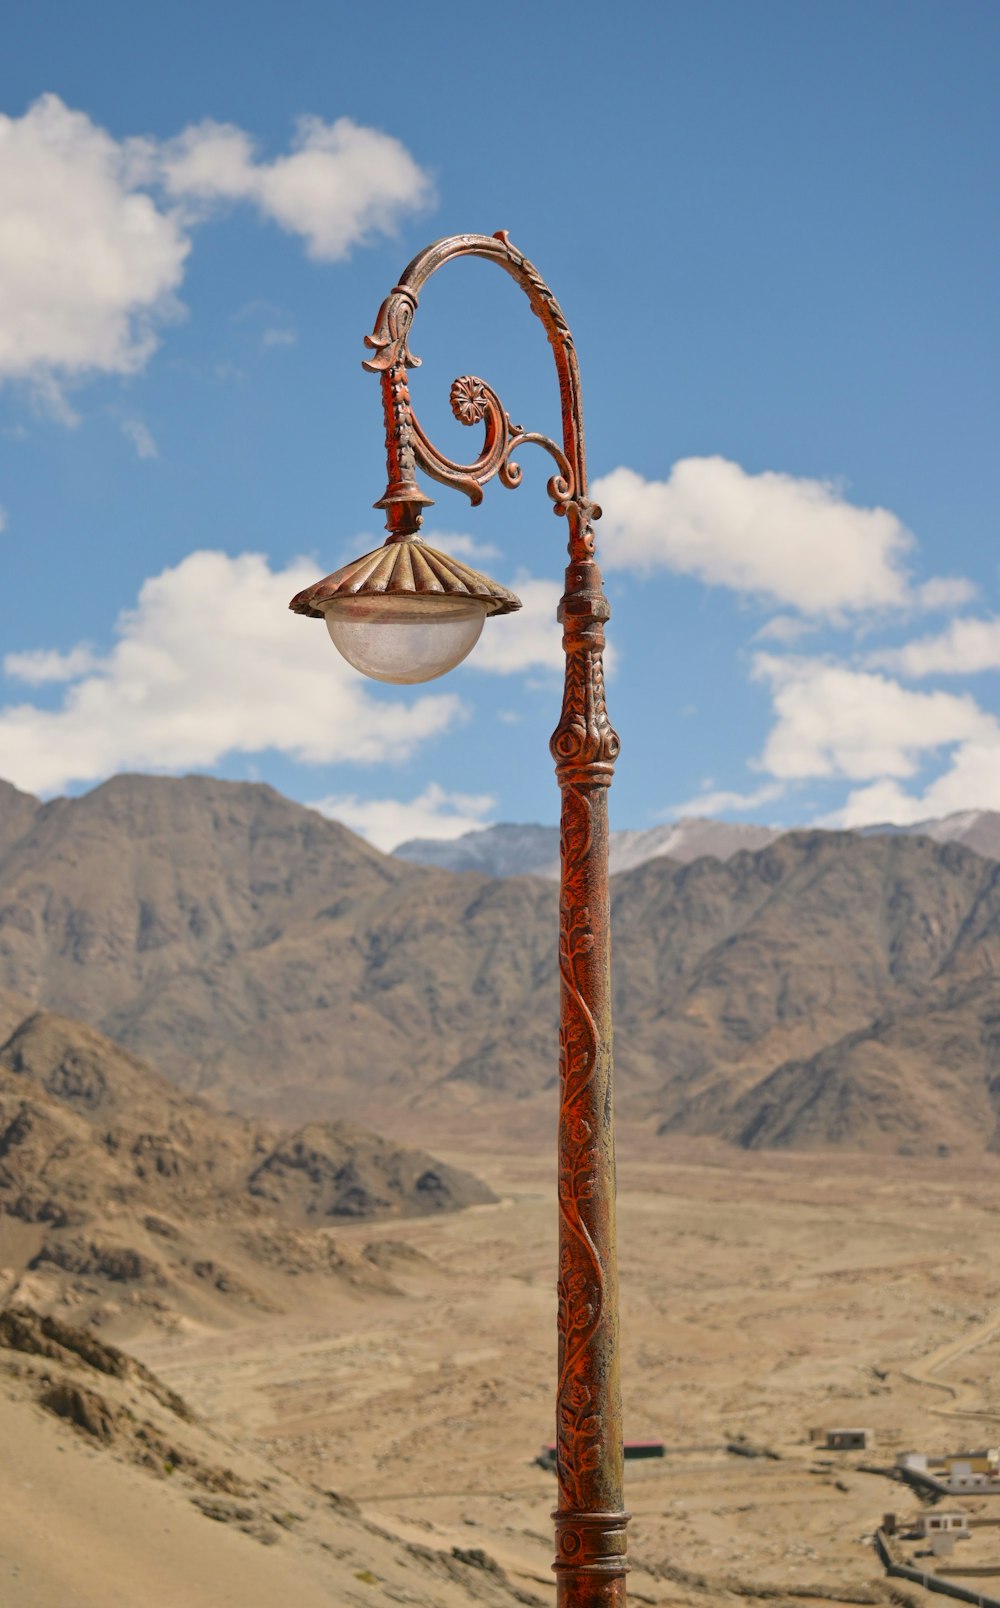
(584, 745)
(473, 401)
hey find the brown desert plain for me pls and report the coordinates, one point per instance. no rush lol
(760, 1296)
(338, 1345)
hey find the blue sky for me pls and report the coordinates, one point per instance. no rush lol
(773, 228)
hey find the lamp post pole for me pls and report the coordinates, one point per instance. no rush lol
(590, 1523)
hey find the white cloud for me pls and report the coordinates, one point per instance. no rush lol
(797, 542)
(879, 802)
(91, 262)
(387, 822)
(966, 647)
(469, 548)
(141, 438)
(341, 185)
(971, 781)
(531, 639)
(785, 628)
(835, 721)
(800, 544)
(944, 592)
(721, 800)
(210, 662)
(88, 265)
(279, 337)
(49, 400)
(42, 665)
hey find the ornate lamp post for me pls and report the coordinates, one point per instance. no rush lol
(407, 612)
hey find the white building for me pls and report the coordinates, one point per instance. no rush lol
(943, 1521)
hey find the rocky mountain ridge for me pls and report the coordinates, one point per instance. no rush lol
(262, 955)
(122, 1198)
(509, 850)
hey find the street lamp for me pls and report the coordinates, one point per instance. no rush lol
(407, 613)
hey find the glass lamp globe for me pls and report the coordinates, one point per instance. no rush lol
(406, 637)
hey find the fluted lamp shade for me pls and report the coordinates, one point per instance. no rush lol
(405, 612)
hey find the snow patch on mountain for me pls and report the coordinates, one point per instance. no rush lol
(509, 849)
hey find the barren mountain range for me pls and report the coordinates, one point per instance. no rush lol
(508, 850)
(125, 1200)
(826, 988)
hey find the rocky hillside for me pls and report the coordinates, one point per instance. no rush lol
(108, 1475)
(925, 1080)
(265, 956)
(122, 1198)
(251, 949)
(827, 991)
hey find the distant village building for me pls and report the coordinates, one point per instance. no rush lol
(967, 1471)
(942, 1521)
(963, 1472)
(971, 1471)
(844, 1440)
(985, 1462)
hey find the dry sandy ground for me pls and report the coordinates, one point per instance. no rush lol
(82, 1530)
(125, 1500)
(761, 1295)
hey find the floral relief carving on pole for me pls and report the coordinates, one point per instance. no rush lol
(581, 1274)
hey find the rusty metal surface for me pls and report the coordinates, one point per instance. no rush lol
(473, 401)
(590, 1523)
(404, 567)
